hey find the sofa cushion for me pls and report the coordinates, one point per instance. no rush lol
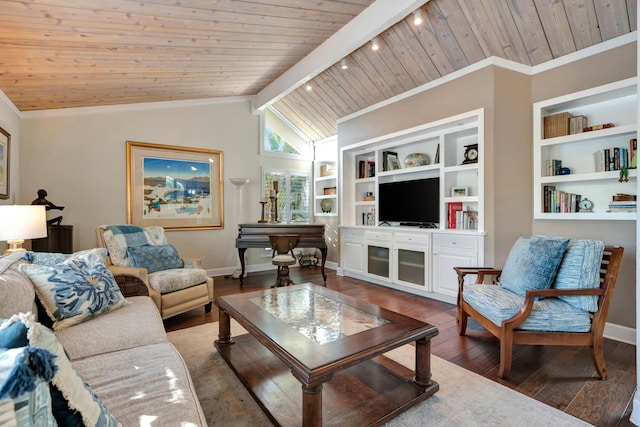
(154, 258)
(53, 258)
(149, 382)
(549, 315)
(580, 268)
(74, 403)
(532, 263)
(16, 291)
(75, 290)
(166, 281)
(114, 331)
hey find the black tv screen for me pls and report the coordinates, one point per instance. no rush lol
(415, 202)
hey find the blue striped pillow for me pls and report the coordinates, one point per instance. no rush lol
(580, 268)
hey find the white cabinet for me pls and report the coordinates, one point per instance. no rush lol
(325, 189)
(554, 194)
(435, 150)
(450, 251)
(352, 249)
(418, 261)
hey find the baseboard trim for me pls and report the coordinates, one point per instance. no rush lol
(620, 333)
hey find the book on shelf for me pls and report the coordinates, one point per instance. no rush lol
(361, 169)
(623, 206)
(553, 167)
(633, 153)
(598, 127)
(558, 201)
(577, 124)
(556, 125)
(371, 169)
(622, 197)
(611, 159)
(452, 209)
(466, 219)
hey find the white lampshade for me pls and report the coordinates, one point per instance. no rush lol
(20, 222)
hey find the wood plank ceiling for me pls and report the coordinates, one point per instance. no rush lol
(77, 53)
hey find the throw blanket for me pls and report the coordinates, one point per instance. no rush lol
(133, 235)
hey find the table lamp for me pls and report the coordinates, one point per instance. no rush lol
(20, 222)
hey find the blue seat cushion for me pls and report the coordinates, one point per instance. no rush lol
(548, 315)
(532, 263)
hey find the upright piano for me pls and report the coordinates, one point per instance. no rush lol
(257, 236)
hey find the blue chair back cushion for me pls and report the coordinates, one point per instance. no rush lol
(580, 268)
(548, 315)
(532, 263)
(154, 258)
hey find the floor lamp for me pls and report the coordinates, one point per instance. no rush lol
(239, 183)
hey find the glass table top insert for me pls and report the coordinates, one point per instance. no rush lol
(321, 319)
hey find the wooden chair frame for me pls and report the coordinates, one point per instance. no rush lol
(283, 244)
(510, 335)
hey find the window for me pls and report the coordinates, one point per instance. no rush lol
(292, 197)
(281, 139)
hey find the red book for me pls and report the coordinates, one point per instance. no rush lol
(453, 208)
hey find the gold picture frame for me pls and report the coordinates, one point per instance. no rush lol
(177, 188)
(5, 142)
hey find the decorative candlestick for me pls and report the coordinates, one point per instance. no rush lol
(262, 202)
(274, 208)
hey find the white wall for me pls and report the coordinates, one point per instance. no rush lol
(10, 122)
(79, 157)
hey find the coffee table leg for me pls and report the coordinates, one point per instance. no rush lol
(423, 363)
(224, 328)
(312, 406)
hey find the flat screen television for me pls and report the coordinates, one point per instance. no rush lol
(415, 202)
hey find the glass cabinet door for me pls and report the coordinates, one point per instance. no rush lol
(378, 260)
(411, 266)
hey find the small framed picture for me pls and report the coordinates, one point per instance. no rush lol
(394, 163)
(459, 191)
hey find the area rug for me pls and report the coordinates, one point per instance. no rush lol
(464, 398)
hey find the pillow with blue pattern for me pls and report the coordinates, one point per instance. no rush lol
(154, 258)
(532, 263)
(75, 290)
(73, 403)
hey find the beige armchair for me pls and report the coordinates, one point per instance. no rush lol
(144, 263)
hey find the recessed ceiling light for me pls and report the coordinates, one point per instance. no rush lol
(308, 87)
(374, 44)
(417, 17)
(343, 64)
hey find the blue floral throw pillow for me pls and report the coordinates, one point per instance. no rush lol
(75, 290)
(154, 258)
(532, 263)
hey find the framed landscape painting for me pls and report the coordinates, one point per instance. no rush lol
(5, 140)
(178, 188)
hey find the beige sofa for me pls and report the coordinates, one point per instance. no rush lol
(123, 355)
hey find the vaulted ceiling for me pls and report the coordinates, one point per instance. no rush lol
(79, 53)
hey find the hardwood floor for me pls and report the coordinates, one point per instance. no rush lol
(561, 377)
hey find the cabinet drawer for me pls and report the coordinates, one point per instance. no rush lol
(412, 239)
(378, 236)
(455, 241)
(353, 233)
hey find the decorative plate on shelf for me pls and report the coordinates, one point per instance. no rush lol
(326, 205)
(416, 159)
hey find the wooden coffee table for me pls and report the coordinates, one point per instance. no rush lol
(332, 344)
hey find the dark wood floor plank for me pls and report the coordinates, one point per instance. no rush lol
(561, 377)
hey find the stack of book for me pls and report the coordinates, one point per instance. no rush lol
(626, 206)
(558, 201)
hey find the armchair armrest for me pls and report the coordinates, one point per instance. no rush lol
(480, 272)
(131, 281)
(192, 262)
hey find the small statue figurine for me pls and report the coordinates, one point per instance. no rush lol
(42, 200)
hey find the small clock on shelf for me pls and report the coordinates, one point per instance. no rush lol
(470, 154)
(585, 205)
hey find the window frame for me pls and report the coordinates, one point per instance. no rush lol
(288, 173)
